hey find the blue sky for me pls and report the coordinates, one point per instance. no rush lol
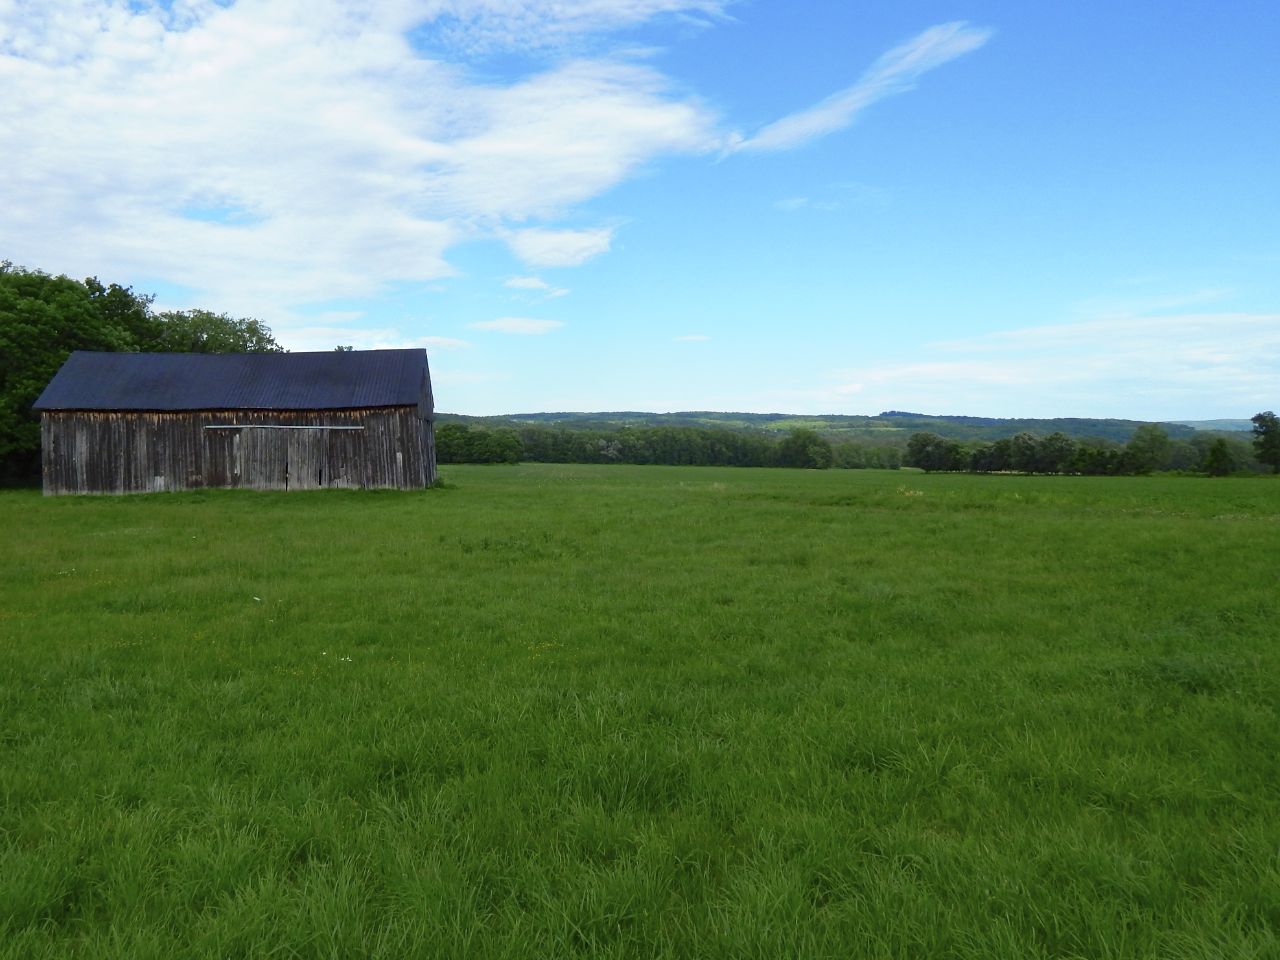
(987, 208)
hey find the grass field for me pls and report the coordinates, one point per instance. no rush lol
(645, 712)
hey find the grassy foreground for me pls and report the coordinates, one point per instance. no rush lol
(640, 712)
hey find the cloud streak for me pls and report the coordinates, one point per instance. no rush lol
(535, 286)
(541, 247)
(520, 326)
(895, 72)
(1154, 367)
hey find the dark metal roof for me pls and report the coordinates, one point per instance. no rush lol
(334, 380)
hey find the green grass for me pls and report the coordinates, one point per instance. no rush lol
(550, 711)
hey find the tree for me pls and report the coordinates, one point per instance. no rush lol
(1054, 453)
(42, 320)
(1266, 439)
(1147, 449)
(124, 310)
(1024, 452)
(1183, 455)
(1219, 460)
(930, 452)
(1096, 458)
(848, 456)
(805, 448)
(459, 443)
(201, 331)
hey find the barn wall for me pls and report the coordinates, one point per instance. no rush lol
(139, 452)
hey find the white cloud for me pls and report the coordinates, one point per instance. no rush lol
(269, 154)
(540, 247)
(535, 285)
(326, 337)
(1146, 367)
(835, 196)
(895, 72)
(483, 25)
(523, 326)
(441, 343)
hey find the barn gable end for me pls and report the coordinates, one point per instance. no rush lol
(137, 422)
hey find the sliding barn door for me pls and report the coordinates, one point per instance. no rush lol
(308, 456)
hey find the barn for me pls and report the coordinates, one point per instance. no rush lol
(146, 422)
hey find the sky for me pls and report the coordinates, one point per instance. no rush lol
(994, 208)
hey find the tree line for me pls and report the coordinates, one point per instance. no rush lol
(44, 318)
(1148, 450)
(673, 446)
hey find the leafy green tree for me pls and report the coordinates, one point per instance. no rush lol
(1183, 455)
(42, 320)
(124, 310)
(459, 443)
(1219, 460)
(848, 456)
(1096, 458)
(884, 458)
(1054, 452)
(999, 457)
(1148, 449)
(201, 331)
(1266, 439)
(1024, 452)
(930, 452)
(805, 448)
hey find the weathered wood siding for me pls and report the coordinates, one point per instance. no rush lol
(139, 452)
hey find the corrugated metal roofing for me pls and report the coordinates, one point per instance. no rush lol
(333, 380)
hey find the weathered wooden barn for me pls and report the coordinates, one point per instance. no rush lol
(145, 422)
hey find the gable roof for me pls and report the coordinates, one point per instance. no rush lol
(332, 380)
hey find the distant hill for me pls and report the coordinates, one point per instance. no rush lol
(1219, 426)
(892, 426)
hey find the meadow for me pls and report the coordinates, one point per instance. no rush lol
(605, 711)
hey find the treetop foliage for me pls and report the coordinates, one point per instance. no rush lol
(44, 318)
(676, 446)
(1266, 439)
(1149, 449)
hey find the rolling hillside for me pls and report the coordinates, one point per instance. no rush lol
(885, 427)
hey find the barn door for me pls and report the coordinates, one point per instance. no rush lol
(263, 458)
(308, 458)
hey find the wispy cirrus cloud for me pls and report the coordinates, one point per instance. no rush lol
(836, 196)
(522, 326)
(541, 247)
(895, 72)
(480, 26)
(363, 338)
(535, 286)
(1154, 367)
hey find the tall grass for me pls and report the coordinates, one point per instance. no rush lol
(619, 712)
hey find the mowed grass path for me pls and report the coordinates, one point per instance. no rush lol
(644, 712)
